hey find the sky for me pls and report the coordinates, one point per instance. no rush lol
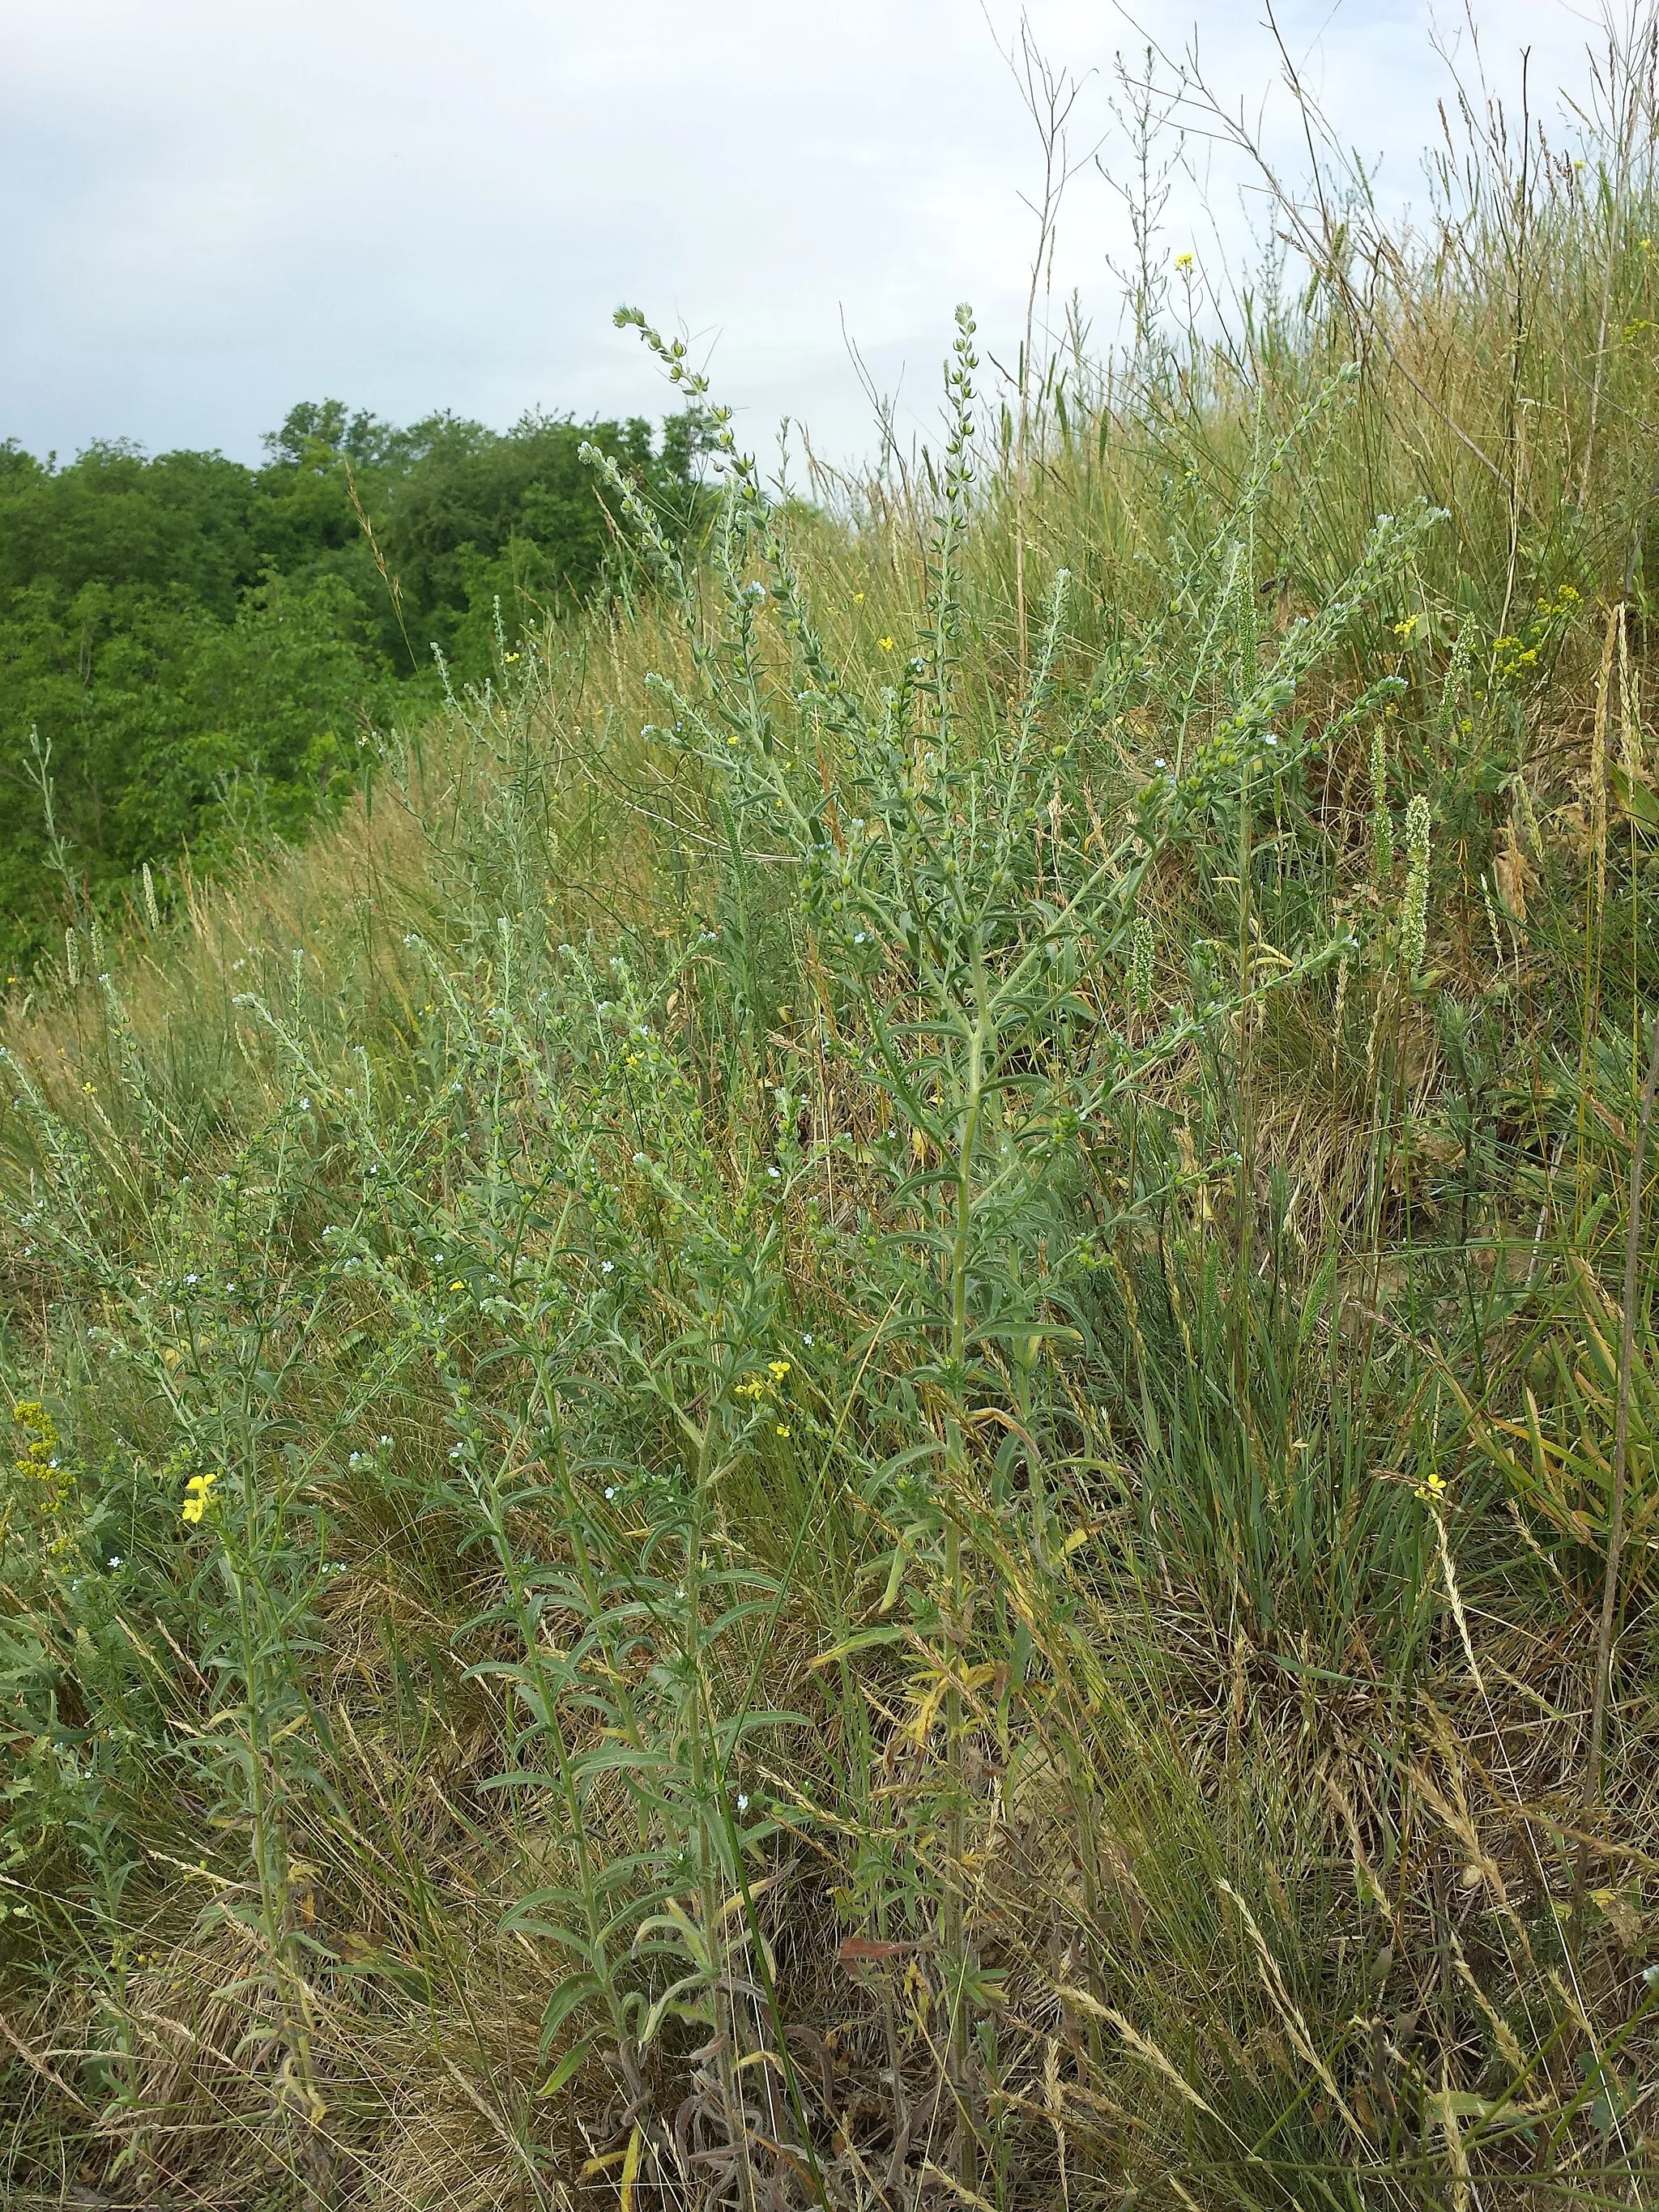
(212, 208)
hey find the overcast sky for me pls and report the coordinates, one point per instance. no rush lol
(210, 209)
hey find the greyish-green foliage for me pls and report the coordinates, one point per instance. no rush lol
(869, 1419)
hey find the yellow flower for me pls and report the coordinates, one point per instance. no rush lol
(858, 596)
(1431, 1490)
(198, 1495)
(1183, 261)
(1405, 631)
(36, 1450)
(778, 1369)
(886, 643)
(458, 1286)
(783, 1428)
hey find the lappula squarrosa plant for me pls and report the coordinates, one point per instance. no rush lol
(1414, 899)
(212, 1354)
(593, 1240)
(975, 968)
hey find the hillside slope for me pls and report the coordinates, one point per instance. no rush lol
(865, 1415)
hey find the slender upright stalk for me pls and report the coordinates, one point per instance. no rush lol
(1246, 1183)
(1592, 1796)
(954, 1915)
(706, 1794)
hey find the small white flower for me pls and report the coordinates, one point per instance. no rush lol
(115, 1560)
(742, 1802)
(807, 1338)
(611, 1490)
(192, 1278)
(605, 1268)
(304, 1105)
(774, 1174)
(385, 1440)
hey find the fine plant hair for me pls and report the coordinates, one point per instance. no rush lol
(864, 1414)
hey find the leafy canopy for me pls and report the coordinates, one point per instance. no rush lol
(197, 651)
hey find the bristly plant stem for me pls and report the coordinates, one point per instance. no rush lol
(1592, 1796)
(1246, 1181)
(954, 1917)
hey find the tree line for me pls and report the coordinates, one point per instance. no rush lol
(193, 653)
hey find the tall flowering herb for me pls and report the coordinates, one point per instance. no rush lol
(1414, 905)
(951, 516)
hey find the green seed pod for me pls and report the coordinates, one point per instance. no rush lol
(1414, 905)
(1140, 965)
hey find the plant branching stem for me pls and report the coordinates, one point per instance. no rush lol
(1620, 1454)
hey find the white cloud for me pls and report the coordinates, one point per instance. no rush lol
(208, 212)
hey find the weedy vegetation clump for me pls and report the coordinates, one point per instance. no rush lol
(864, 1416)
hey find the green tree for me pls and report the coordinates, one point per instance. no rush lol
(200, 647)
